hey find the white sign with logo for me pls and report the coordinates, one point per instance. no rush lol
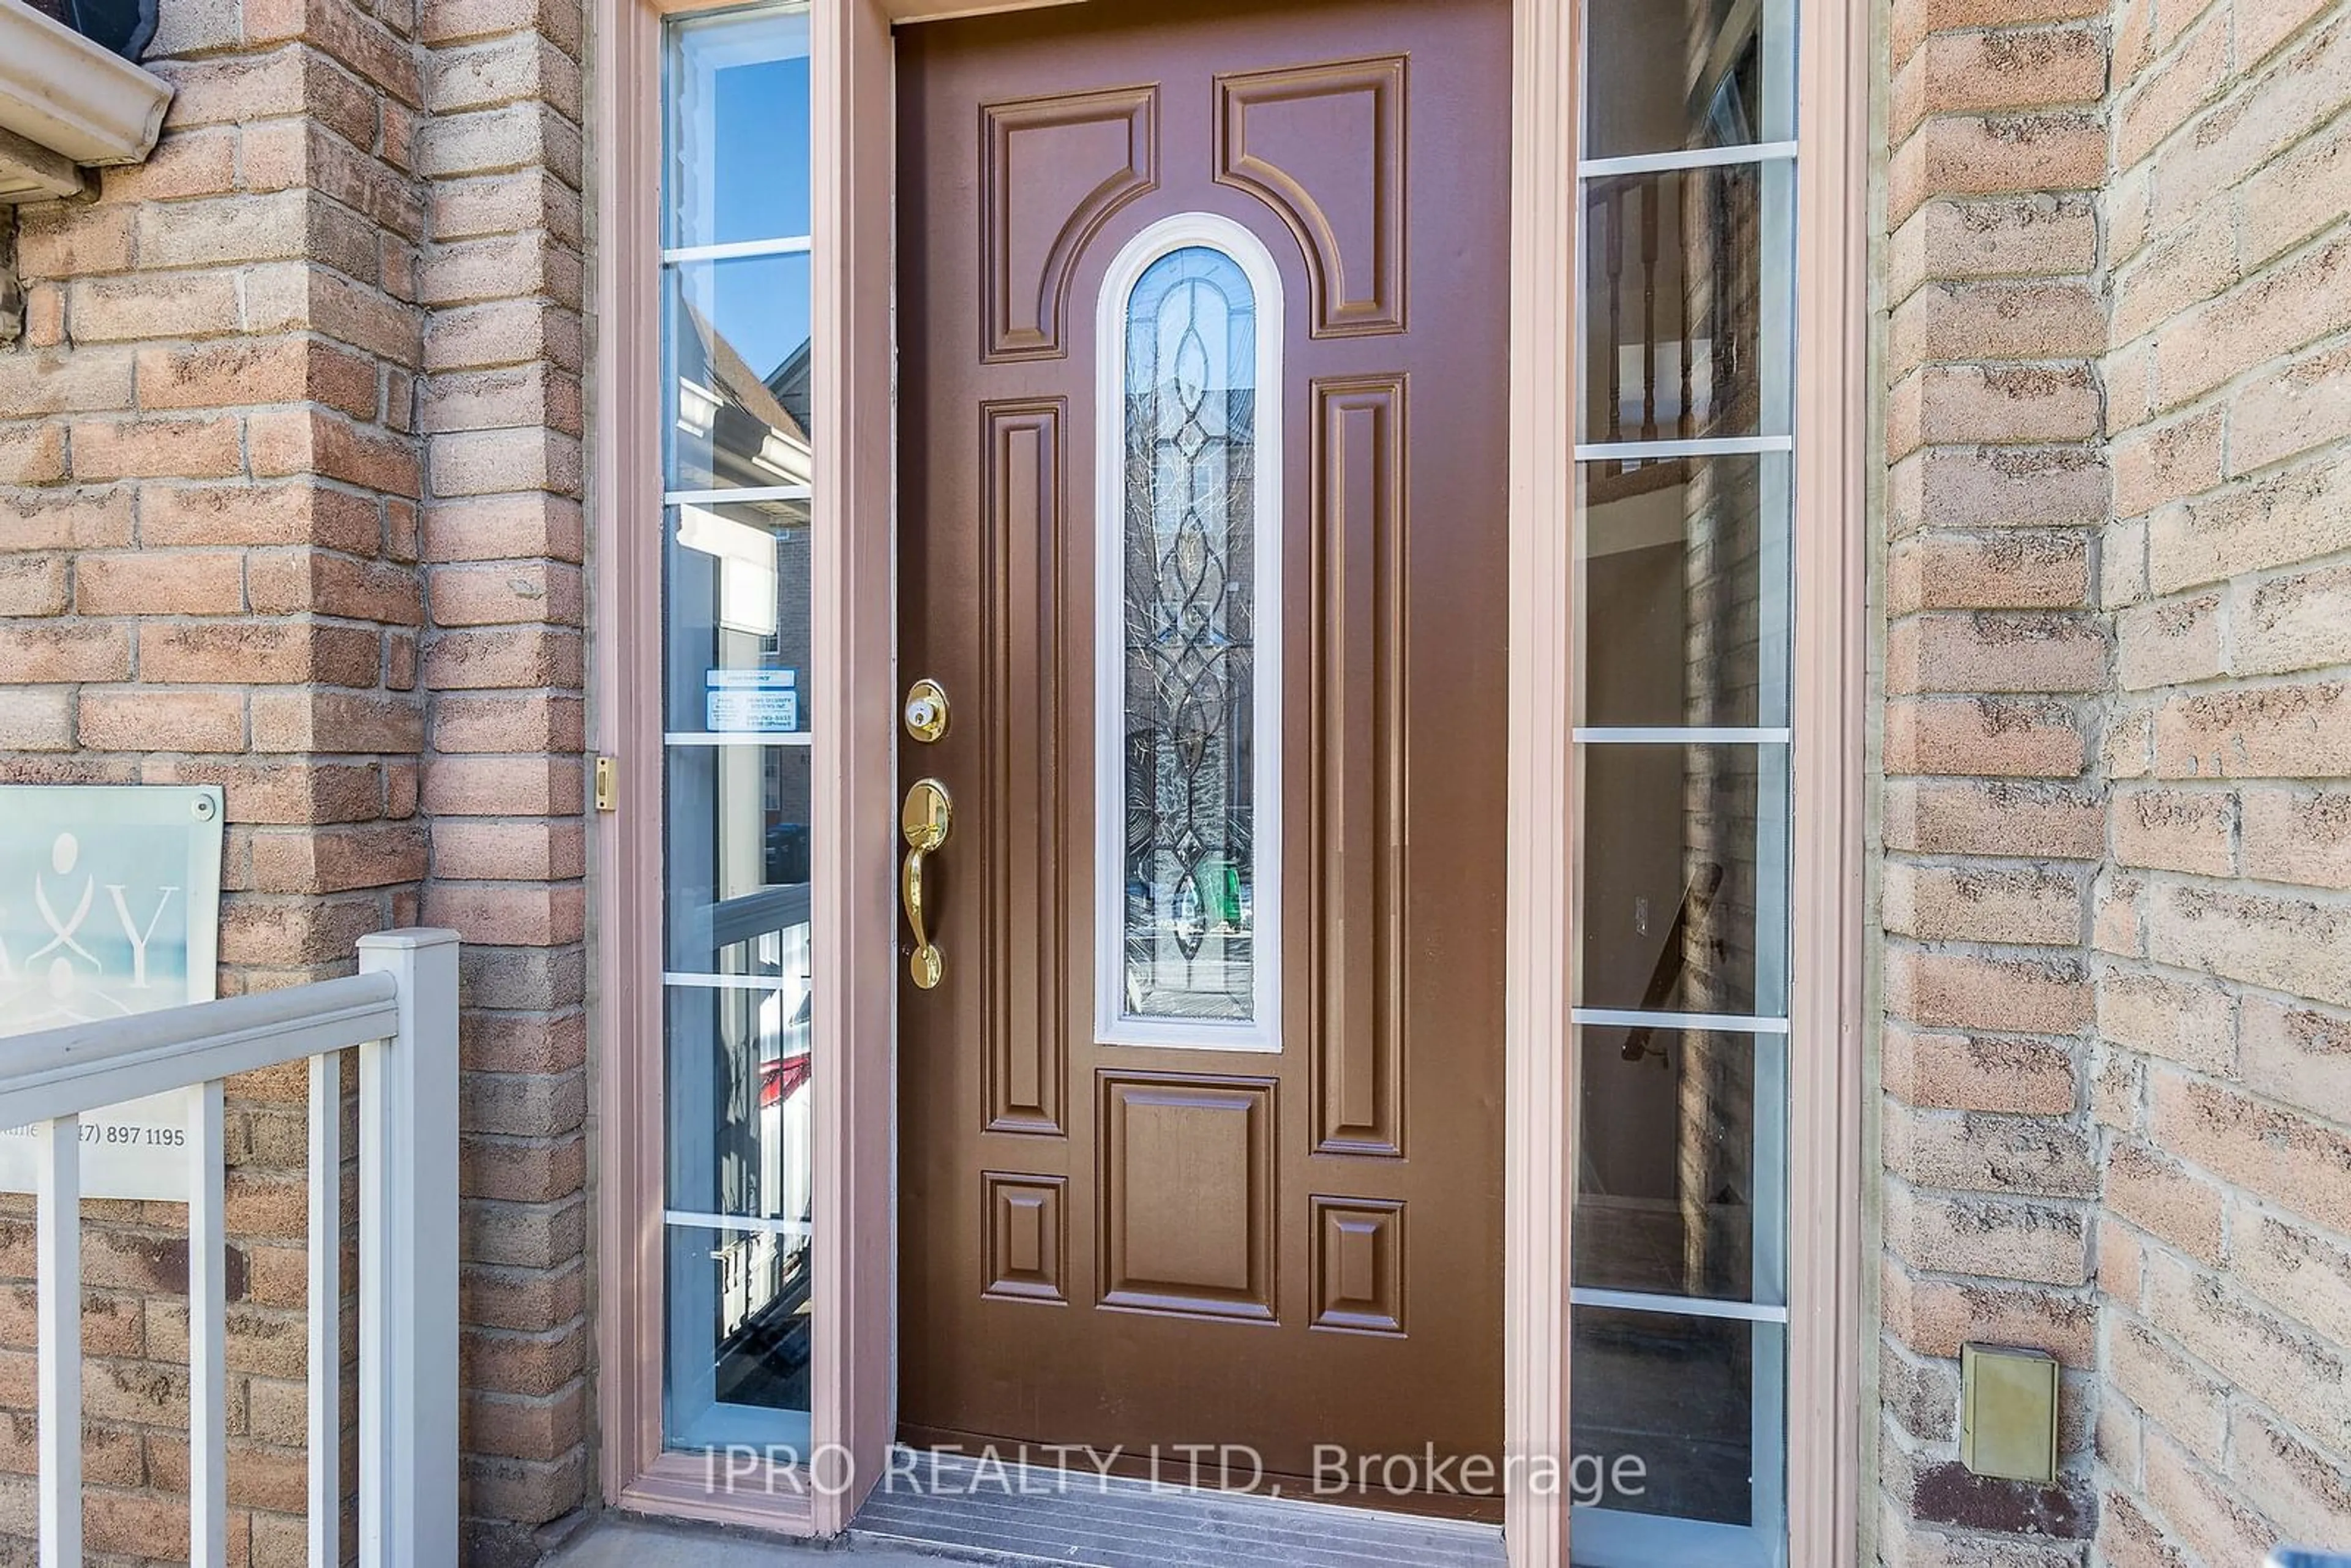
(739, 700)
(109, 906)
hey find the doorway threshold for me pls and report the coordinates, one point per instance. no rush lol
(986, 1510)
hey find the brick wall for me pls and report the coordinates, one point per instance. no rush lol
(503, 539)
(2117, 1122)
(289, 502)
(2224, 959)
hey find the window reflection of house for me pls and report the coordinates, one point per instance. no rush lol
(739, 478)
(736, 431)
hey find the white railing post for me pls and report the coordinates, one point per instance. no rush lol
(408, 1260)
(56, 1253)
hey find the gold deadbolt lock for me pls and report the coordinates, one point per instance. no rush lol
(926, 710)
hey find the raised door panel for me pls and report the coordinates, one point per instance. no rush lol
(1359, 734)
(1324, 146)
(1186, 1195)
(1021, 623)
(1051, 169)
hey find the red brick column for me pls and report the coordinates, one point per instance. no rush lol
(504, 540)
(1994, 818)
(208, 542)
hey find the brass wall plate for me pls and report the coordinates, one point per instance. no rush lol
(925, 712)
(608, 788)
(2008, 1412)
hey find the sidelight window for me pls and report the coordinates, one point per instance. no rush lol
(1188, 677)
(1679, 1302)
(739, 745)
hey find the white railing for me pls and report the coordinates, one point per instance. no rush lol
(401, 1011)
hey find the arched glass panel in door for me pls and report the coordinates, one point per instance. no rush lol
(1192, 786)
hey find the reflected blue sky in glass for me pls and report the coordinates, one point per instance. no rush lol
(738, 170)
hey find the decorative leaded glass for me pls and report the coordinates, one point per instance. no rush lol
(1189, 644)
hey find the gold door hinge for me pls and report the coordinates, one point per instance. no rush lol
(608, 788)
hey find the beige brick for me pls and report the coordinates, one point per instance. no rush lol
(500, 266)
(161, 582)
(103, 311)
(311, 719)
(1966, 404)
(261, 653)
(1913, 23)
(504, 527)
(1997, 320)
(2001, 1239)
(2204, 1509)
(307, 440)
(207, 448)
(2175, 829)
(2187, 1021)
(133, 718)
(2185, 1400)
(2301, 730)
(36, 719)
(1964, 990)
(502, 786)
(1996, 154)
(277, 514)
(2267, 1357)
(33, 586)
(286, 582)
(2286, 1159)
(2171, 643)
(500, 721)
(2299, 622)
(38, 654)
(2170, 1202)
(495, 462)
(340, 859)
(2168, 463)
(501, 203)
(514, 136)
(2299, 838)
(507, 914)
(2303, 406)
(1935, 1317)
(2297, 196)
(2283, 105)
(2010, 237)
(2022, 570)
(2278, 520)
(55, 381)
(2034, 905)
(1994, 817)
(484, 851)
(1989, 736)
(249, 371)
(282, 789)
(506, 594)
(2280, 310)
(2289, 944)
(292, 931)
(1988, 651)
(2015, 1154)
(2303, 1492)
(2298, 1056)
(2182, 82)
(2293, 1269)
(503, 332)
(504, 656)
(1979, 1073)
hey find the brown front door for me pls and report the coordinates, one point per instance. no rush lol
(1202, 533)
